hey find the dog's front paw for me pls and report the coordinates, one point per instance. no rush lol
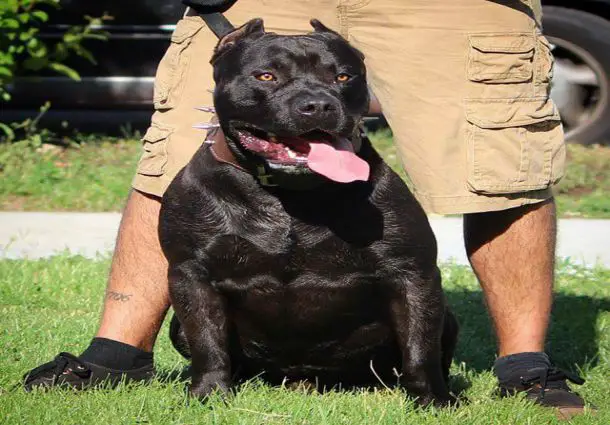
(445, 400)
(202, 387)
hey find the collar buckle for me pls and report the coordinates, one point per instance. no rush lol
(263, 177)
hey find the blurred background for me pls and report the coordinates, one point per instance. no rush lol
(76, 82)
(116, 79)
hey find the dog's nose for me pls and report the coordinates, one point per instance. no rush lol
(315, 107)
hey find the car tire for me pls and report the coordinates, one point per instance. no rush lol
(588, 35)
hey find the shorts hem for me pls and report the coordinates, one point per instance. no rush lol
(155, 186)
(475, 203)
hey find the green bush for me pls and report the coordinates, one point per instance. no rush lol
(22, 49)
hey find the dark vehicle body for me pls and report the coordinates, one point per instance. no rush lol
(118, 89)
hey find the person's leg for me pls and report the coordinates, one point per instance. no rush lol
(512, 253)
(482, 69)
(464, 86)
(135, 304)
(137, 296)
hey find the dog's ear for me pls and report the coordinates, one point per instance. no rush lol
(251, 29)
(320, 27)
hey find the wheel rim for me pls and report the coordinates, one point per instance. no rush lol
(579, 88)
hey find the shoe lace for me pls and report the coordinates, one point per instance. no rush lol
(550, 378)
(63, 363)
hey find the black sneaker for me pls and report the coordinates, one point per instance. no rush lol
(69, 371)
(548, 387)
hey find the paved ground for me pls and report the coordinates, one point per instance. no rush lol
(35, 235)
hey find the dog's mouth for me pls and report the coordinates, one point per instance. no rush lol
(327, 154)
(285, 150)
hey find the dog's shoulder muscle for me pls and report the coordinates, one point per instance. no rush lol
(407, 234)
(211, 204)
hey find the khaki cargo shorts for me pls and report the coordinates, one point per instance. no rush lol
(463, 84)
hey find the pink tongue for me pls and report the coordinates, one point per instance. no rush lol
(338, 165)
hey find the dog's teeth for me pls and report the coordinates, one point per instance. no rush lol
(291, 154)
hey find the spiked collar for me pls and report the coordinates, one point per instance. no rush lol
(222, 153)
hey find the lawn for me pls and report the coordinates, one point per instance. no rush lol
(94, 175)
(85, 176)
(52, 305)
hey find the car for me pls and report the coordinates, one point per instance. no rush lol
(579, 33)
(118, 89)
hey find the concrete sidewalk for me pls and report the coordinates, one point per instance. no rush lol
(38, 235)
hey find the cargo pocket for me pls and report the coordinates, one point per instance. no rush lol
(514, 145)
(544, 63)
(154, 157)
(501, 58)
(174, 64)
(544, 60)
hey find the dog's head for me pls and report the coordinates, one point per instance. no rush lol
(292, 102)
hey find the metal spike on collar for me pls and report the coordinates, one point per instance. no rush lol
(209, 109)
(206, 126)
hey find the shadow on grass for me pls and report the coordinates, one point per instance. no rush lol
(181, 374)
(572, 341)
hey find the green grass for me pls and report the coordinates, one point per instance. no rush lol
(95, 175)
(89, 176)
(48, 306)
(585, 189)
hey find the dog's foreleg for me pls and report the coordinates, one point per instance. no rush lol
(417, 313)
(202, 314)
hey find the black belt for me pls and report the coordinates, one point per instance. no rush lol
(211, 12)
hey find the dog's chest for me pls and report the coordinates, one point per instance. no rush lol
(302, 277)
(282, 251)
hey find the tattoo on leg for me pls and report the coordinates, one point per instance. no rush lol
(118, 296)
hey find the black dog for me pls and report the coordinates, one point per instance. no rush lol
(280, 268)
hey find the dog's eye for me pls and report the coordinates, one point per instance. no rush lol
(342, 78)
(265, 76)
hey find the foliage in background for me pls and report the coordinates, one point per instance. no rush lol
(29, 133)
(23, 49)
